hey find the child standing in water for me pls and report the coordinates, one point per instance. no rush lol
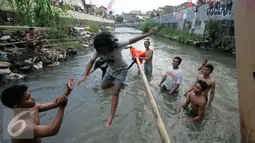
(197, 100)
(18, 98)
(109, 50)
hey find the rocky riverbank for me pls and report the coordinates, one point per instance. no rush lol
(17, 58)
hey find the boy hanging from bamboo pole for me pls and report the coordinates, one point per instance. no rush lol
(109, 50)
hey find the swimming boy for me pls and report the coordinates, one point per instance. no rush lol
(205, 76)
(107, 48)
(18, 98)
(197, 100)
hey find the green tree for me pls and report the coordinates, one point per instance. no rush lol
(119, 19)
(152, 15)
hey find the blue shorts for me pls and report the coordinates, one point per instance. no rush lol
(115, 77)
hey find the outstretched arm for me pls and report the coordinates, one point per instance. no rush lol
(46, 131)
(55, 104)
(138, 38)
(92, 71)
(86, 73)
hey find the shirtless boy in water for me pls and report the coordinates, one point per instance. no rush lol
(148, 58)
(197, 100)
(18, 98)
(205, 76)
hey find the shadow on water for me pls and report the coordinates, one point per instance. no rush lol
(89, 106)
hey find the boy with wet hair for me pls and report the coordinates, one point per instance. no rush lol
(109, 50)
(18, 98)
(207, 70)
(197, 100)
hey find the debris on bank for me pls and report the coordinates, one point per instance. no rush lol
(17, 57)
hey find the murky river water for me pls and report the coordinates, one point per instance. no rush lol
(89, 106)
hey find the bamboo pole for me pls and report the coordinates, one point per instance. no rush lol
(161, 127)
(245, 63)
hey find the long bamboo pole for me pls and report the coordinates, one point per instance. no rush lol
(161, 127)
(245, 64)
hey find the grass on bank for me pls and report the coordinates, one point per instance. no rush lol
(168, 32)
(66, 45)
(93, 28)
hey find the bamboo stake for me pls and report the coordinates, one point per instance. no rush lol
(161, 127)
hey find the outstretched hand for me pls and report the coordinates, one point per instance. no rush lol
(70, 84)
(153, 30)
(63, 101)
(82, 80)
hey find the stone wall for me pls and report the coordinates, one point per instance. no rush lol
(190, 21)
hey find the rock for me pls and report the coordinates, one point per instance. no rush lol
(14, 76)
(188, 42)
(87, 36)
(26, 68)
(3, 38)
(45, 59)
(85, 33)
(4, 64)
(175, 38)
(54, 64)
(22, 65)
(29, 61)
(86, 45)
(7, 32)
(71, 52)
(38, 65)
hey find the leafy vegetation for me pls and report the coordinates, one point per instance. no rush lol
(119, 19)
(93, 28)
(169, 32)
(41, 13)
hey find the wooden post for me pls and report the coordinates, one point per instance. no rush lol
(245, 61)
(161, 127)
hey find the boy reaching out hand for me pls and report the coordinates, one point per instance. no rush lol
(18, 98)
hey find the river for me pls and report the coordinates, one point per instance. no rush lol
(89, 106)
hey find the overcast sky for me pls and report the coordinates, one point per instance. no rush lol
(143, 5)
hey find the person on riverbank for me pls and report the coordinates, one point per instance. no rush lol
(18, 98)
(204, 62)
(109, 49)
(197, 100)
(148, 58)
(34, 40)
(173, 77)
(100, 64)
(206, 76)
